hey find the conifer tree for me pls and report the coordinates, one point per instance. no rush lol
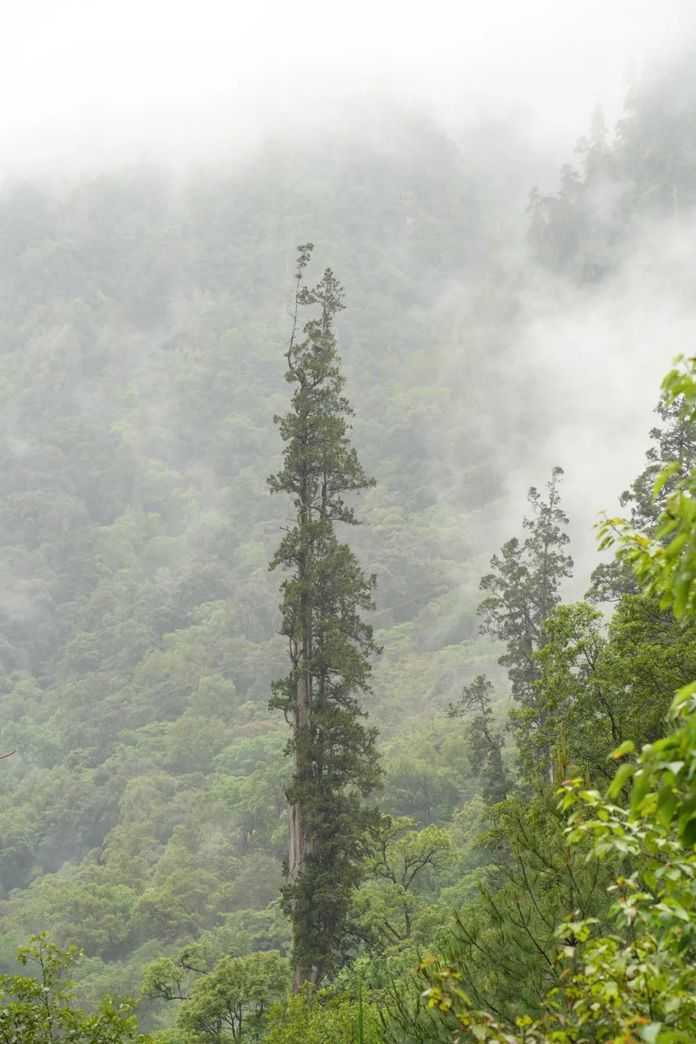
(486, 742)
(524, 587)
(522, 591)
(673, 443)
(323, 595)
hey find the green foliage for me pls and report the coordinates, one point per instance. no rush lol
(334, 755)
(231, 1001)
(42, 1010)
(599, 686)
(320, 1017)
(427, 773)
(665, 563)
(392, 907)
(486, 743)
(670, 458)
(587, 689)
(504, 944)
(639, 982)
(218, 999)
(634, 978)
(522, 591)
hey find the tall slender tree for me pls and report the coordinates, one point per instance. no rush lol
(323, 595)
(523, 587)
(522, 591)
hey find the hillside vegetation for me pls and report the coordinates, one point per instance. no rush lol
(143, 816)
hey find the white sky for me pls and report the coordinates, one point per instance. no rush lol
(86, 80)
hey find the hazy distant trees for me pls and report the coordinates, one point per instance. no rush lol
(524, 586)
(644, 171)
(486, 740)
(523, 589)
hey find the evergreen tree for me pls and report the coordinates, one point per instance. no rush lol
(335, 763)
(631, 972)
(522, 591)
(486, 742)
(674, 445)
(523, 587)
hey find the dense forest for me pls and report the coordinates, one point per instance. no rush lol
(518, 813)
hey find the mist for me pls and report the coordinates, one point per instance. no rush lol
(588, 367)
(91, 86)
(161, 89)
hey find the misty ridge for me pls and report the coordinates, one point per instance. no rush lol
(502, 319)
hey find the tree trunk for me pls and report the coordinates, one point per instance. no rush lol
(296, 854)
(299, 841)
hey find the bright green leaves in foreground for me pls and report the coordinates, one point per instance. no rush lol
(41, 1010)
(637, 980)
(665, 563)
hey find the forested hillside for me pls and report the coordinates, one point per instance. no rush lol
(145, 319)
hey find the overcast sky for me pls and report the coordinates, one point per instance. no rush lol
(86, 80)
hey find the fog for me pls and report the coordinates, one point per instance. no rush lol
(276, 91)
(91, 84)
(592, 365)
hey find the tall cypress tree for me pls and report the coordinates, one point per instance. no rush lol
(323, 595)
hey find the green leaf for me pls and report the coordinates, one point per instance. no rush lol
(682, 696)
(688, 832)
(664, 477)
(674, 547)
(641, 786)
(621, 777)
(666, 804)
(627, 747)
